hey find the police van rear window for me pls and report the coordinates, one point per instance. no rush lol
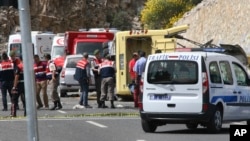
(172, 72)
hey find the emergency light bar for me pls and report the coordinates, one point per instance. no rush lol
(218, 50)
(92, 36)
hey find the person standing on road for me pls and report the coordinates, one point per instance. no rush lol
(15, 60)
(132, 73)
(41, 82)
(107, 72)
(131, 66)
(18, 89)
(53, 76)
(7, 78)
(82, 75)
(94, 66)
(139, 69)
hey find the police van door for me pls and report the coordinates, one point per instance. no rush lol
(242, 90)
(227, 95)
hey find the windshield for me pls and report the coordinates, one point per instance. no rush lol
(88, 47)
(57, 51)
(17, 48)
(172, 72)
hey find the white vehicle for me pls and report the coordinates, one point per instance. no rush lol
(58, 46)
(42, 43)
(110, 44)
(67, 83)
(194, 88)
(14, 43)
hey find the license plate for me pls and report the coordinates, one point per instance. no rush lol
(159, 97)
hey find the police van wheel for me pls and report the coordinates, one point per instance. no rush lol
(148, 126)
(248, 122)
(215, 122)
(191, 125)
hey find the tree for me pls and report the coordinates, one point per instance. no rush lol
(163, 13)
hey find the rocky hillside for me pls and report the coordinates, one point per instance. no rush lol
(226, 22)
(223, 21)
(61, 15)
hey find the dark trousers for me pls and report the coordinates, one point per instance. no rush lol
(14, 99)
(6, 88)
(98, 81)
(85, 91)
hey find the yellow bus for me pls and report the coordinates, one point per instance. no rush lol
(127, 42)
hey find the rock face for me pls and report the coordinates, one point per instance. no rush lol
(223, 21)
(226, 22)
(61, 15)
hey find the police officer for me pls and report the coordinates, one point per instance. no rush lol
(82, 75)
(53, 75)
(107, 72)
(7, 78)
(41, 82)
(18, 89)
(15, 60)
(94, 66)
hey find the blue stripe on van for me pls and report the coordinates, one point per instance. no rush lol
(224, 99)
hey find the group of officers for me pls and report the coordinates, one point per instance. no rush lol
(104, 71)
(12, 81)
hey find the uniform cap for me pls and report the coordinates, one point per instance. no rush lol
(96, 51)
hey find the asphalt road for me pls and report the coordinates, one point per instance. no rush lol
(105, 129)
(68, 110)
(94, 124)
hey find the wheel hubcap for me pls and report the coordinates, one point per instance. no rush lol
(217, 120)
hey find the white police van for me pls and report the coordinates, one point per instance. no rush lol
(194, 88)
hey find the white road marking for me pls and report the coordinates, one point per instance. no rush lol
(140, 140)
(97, 124)
(68, 119)
(238, 123)
(60, 111)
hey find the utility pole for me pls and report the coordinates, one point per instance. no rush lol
(28, 61)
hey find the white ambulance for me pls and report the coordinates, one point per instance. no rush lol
(58, 48)
(14, 43)
(42, 43)
(194, 88)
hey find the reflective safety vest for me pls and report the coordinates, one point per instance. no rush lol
(7, 70)
(81, 70)
(40, 71)
(107, 69)
(96, 64)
